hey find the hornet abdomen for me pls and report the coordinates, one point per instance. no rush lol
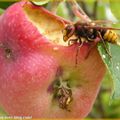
(110, 36)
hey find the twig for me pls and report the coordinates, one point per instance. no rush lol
(95, 9)
(71, 15)
(77, 10)
(84, 7)
(92, 13)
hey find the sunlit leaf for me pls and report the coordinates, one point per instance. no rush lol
(62, 10)
(101, 11)
(2, 112)
(40, 2)
(115, 8)
(1, 11)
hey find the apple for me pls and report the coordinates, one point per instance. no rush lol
(38, 73)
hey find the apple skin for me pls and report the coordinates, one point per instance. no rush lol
(30, 63)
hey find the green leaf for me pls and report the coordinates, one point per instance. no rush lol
(6, 4)
(101, 12)
(113, 66)
(62, 10)
(1, 11)
(2, 112)
(40, 2)
(115, 51)
(115, 8)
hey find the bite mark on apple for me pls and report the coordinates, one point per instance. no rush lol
(63, 94)
(61, 91)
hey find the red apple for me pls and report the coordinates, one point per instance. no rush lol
(34, 60)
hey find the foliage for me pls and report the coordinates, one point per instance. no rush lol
(1, 11)
(115, 8)
(42, 2)
(2, 112)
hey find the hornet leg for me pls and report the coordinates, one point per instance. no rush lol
(77, 52)
(105, 47)
(90, 49)
(72, 41)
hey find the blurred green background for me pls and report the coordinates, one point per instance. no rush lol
(104, 106)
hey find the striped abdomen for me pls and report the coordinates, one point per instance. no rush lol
(110, 36)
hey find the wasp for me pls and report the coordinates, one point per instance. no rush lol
(90, 32)
(64, 97)
(63, 94)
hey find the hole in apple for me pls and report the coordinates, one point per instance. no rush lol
(62, 93)
(7, 50)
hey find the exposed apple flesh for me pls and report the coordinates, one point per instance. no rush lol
(33, 56)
